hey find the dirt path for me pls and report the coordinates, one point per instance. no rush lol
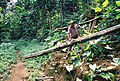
(19, 72)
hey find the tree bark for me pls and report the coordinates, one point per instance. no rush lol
(78, 40)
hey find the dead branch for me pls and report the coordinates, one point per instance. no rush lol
(45, 78)
(63, 28)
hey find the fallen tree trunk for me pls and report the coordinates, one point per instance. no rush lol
(63, 28)
(78, 40)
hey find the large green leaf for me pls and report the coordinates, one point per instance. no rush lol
(118, 3)
(118, 16)
(119, 10)
(105, 75)
(117, 60)
(98, 9)
(105, 3)
(88, 46)
(87, 53)
(96, 51)
(0, 8)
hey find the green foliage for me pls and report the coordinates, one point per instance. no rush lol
(105, 3)
(94, 49)
(35, 75)
(118, 3)
(37, 19)
(7, 58)
(90, 77)
(27, 47)
(110, 13)
(117, 60)
(108, 76)
(32, 46)
(98, 9)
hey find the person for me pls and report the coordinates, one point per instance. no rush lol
(73, 33)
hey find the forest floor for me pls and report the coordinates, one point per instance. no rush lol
(19, 72)
(55, 70)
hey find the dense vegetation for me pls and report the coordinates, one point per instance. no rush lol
(7, 59)
(28, 25)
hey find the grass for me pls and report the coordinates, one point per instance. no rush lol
(27, 47)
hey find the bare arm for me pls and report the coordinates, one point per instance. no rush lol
(69, 36)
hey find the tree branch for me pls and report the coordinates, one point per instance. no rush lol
(78, 40)
(63, 28)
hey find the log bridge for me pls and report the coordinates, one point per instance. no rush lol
(78, 40)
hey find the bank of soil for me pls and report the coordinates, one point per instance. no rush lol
(19, 72)
(56, 67)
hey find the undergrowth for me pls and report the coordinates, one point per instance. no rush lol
(32, 46)
(7, 59)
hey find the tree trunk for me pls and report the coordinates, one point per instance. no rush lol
(62, 14)
(78, 40)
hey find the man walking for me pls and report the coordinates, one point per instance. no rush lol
(73, 33)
